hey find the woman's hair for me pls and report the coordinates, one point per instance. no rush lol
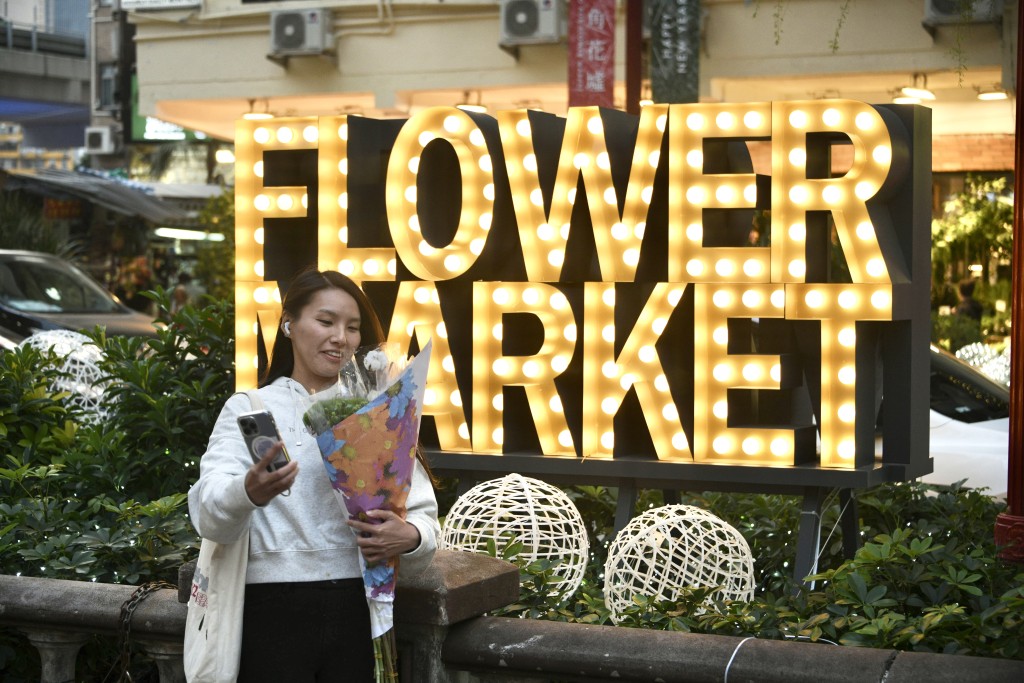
(302, 289)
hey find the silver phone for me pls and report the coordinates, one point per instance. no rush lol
(260, 433)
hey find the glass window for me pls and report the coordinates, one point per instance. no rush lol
(32, 285)
(108, 86)
(962, 393)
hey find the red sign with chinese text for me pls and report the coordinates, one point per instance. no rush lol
(592, 53)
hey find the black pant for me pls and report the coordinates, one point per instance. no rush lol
(305, 633)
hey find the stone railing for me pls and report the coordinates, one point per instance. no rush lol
(504, 650)
(59, 616)
(443, 638)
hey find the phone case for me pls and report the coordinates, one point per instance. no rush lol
(260, 433)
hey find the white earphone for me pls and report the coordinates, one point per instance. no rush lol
(287, 329)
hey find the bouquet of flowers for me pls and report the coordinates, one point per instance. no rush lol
(367, 428)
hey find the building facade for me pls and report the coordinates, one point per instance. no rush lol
(203, 65)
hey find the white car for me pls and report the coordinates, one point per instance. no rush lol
(969, 426)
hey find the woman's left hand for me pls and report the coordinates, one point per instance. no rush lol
(389, 537)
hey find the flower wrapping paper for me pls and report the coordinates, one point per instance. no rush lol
(369, 457)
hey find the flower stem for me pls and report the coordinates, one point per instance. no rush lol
(385, 655)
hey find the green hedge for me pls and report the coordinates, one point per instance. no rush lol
(928, 579)
(106, 502)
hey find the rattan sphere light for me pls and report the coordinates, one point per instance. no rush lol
(78, 358)
(673, 547)
(515, 508)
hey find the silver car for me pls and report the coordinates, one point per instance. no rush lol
(43, 292)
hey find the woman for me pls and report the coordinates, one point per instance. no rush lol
(306, 617)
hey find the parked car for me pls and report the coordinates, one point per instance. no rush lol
(969, 426)
(44, 292)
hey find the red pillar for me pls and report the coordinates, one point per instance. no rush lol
(1009, 530)
(634, 50)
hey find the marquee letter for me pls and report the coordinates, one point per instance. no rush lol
(716, 371)
(333, 253)
(584, 152)
(839, 307)
(691, 190)
(794, 194)
(492, 371)
(418, 314)
(458, 129)
(606, 379)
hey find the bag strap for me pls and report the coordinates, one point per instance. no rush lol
(254, 398)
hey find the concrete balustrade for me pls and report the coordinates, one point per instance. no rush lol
(58, 616)
(505, 650)
(443, 638)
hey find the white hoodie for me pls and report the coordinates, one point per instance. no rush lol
(302, 536)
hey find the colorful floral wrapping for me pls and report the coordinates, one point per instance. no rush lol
(367, 429)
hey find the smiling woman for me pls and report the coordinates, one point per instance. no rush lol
(303, 567)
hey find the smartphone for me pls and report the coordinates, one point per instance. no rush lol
(260, 433)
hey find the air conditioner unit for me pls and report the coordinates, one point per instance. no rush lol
(100, 140)
(300, 32)
(531, 22)
(945, 12)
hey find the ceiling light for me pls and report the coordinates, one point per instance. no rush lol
(918, 89)
(253, 115)
(466, 105)
(903, 99)
(992, 94)
(919, 93)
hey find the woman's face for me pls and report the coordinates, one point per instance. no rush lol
(323, 337)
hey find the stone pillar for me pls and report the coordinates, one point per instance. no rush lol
(58, 651)
(167, 657)
(456, 586)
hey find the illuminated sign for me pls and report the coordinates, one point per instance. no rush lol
(592, 289)
(149, 129)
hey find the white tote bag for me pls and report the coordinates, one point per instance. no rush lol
(213, 626)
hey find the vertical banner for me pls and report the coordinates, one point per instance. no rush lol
(592, 53)
(675, 50)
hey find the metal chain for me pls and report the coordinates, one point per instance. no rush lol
(128, 608)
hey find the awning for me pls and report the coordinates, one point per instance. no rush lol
(124, 197)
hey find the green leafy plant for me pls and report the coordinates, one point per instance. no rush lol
(928, 580)
(106, 500)
(331, 411)
(165, 394)
(976, 226)
(215, 265)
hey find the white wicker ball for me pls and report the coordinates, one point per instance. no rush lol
(534, 513)
(673, 547)
(78, 358)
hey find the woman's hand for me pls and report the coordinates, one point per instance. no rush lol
(262, 486)
(387, 538)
